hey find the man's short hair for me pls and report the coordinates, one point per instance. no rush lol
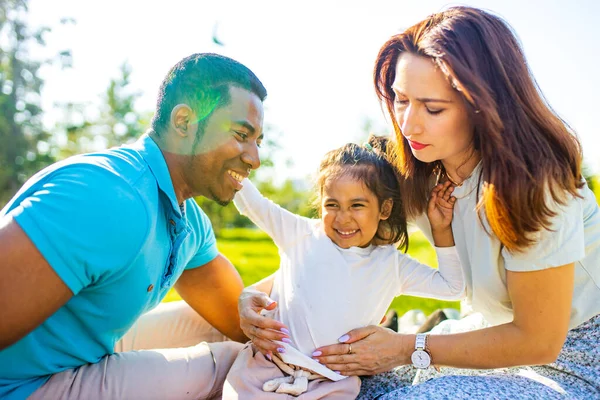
(202, 81)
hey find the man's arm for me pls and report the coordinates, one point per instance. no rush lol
(213, 290)
(30, 290)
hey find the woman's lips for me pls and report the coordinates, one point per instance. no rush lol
(417, 145)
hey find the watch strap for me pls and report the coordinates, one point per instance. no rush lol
(421, 341)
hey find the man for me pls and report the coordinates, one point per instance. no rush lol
(90, 244)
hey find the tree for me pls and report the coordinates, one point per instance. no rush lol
(119, 119)
(24, 145)
(118, 123)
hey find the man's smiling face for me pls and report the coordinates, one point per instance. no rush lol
(228, 149)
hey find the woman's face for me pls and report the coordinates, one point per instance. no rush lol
(431, 114)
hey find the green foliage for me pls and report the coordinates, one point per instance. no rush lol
(122, 123)
(595, 186)
(289, 196)
(593, 181)
(23, 141)
(82, 130)
(255, 256)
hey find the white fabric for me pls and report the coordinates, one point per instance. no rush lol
(324, 291)
(575, 237)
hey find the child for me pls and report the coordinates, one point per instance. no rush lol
(341, 271)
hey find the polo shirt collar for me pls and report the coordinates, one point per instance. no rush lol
(153, 156)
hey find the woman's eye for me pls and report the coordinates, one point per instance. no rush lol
(434, 112)
(330, 205)
(358, 205)
(400, 102)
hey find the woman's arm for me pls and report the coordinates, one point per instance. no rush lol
(541, 302)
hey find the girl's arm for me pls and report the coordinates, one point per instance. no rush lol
(440, 211)
(445, 283)
(280, 224)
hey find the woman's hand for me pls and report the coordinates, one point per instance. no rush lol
(261, 329)
(365, 351)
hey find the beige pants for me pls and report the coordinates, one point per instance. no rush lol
(251, 369)
(163, 356)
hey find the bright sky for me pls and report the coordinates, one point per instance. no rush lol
(314, 57)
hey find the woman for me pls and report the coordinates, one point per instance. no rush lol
(466, 109)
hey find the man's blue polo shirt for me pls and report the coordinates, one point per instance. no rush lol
(109, 224)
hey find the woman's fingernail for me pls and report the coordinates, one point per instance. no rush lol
(337, 372)
(317, 353)
(269, 357)
(284, 330)
(281, 350)
(317, 360)
(343, 338)
(286, 340)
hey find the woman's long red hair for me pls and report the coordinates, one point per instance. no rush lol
(530, 158)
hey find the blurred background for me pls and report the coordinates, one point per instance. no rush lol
(79, 76)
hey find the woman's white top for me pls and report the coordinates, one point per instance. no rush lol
(575, 238)
(324, 291)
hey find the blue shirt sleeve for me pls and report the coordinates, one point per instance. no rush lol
(87, 222)
(207, 243)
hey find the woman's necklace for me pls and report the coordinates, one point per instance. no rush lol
(440, 172)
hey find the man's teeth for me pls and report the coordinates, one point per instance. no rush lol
(235, 175)
(348, 232)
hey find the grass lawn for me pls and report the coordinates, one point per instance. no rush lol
(255, 257)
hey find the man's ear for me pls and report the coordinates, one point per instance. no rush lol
(386, 209)
(181, 115)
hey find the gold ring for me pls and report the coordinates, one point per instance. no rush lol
(349, 348)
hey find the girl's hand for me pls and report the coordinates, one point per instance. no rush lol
(260, 329)
(441, 207)
(367, 351)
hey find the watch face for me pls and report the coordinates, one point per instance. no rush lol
(420, 359)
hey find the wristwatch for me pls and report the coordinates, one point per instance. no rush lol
(421, 358)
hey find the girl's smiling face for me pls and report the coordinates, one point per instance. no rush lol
(350, 211)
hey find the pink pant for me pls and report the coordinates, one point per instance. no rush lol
(251, 369)
(163, 356)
